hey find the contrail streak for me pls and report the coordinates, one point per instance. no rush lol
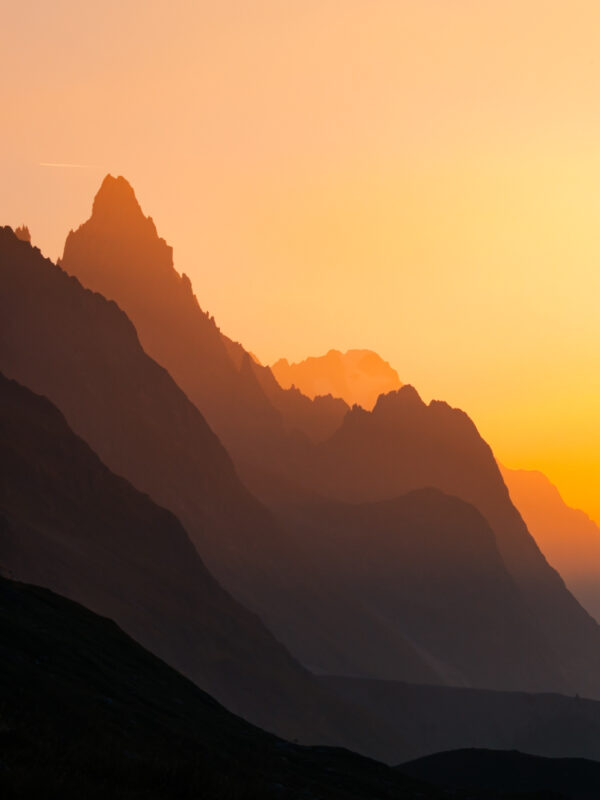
(74, 166)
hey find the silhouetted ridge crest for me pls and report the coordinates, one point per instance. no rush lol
(403, 399)
(116, 197)
(119, 253)
(22, 233)
(357, 376)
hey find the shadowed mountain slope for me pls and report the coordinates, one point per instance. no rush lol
(479, 770)
(404, 444)
(568, 538)
(70, 524)
(317, 418)
(87, 712)
(357, 376)
(423, 568)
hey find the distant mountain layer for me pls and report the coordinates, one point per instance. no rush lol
(88, 713)
(477, 770)
(404, 444)
(357, 376)
(568, 538)
(411, 579)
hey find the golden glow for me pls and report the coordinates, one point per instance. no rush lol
(418, 178)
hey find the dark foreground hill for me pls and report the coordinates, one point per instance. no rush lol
(86, 712)
(475, 770)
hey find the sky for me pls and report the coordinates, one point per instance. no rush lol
(418, 177)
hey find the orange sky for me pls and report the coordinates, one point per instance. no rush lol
(419, 177)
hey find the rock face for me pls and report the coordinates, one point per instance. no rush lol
(567, 537)
(357, 376)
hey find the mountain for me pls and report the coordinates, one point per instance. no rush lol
(87, 712)
(568, 538)
(357, 376)
(83, 353)
(317, 418)
(22, 233)
(510, 771)
(399, 446)
(70, 524)
(431, 719)
(404, 444)
(419, 572)
(118, 252)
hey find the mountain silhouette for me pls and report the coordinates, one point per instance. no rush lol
(399, 446)
(316, 417)
(357, 376)
(82, 352)
(568, 538)
(423, 568)
(118, 252)
(404, 444)
(22, 233)
(70, 524)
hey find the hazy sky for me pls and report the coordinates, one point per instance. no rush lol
(421, 177)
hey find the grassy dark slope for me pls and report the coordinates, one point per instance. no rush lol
(85, 712)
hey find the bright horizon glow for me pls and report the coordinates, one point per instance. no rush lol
(420, 179)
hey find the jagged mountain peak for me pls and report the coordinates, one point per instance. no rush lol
(116, 197)
(22, 233)
(406, 397)
(357, 376)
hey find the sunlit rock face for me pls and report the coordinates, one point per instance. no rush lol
(357, 376)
